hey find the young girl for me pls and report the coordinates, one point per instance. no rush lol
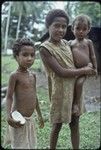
(58, 61)
(83, 54)
(21, 96)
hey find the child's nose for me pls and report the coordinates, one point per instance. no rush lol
(29, 57)
(81, 31)
(61, 29)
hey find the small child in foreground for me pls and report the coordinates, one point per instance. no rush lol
(21, 97)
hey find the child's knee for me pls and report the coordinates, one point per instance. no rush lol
(57, 127)
(74, 121)
(79, 82)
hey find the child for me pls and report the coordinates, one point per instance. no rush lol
(21, 96)
(83, 54)
(58, 61)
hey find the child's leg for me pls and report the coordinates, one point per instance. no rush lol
(54, 135)
(77, 94)
(74, 127)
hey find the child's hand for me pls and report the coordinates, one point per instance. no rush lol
(88, 71)
(95, 70)
(13, 123)
(90, 65)
(41, 123)
(96, 74)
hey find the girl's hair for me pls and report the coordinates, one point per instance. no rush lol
(19, 43)
(82, 18)
(53, 14)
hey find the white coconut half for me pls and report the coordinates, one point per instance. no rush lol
(18, 117)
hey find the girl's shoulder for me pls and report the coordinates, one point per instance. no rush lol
(70, 42)
(64, 41)
(45, 43)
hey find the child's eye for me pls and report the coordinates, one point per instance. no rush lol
(32, 55)
(77, 28)
(85, 29)
(64, 26)
(56, 25)
(25, 54)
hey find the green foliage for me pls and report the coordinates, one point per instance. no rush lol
(24, 19)
(93, 9)
(90, 8)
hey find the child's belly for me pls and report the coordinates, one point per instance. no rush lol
(81, 59)
(25, 102)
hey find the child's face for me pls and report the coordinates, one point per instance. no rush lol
(57, 29)
(26, 57)
(80, 29)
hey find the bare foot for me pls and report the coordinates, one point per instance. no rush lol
(75, 110)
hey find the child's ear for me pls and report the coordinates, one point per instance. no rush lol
(88, 30)
(17, 57)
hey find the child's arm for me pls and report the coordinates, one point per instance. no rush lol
(58, 69)
(92, 55)
(9, 100)
(41, 121)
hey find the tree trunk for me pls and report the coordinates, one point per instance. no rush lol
(7, 28)
(19, 21)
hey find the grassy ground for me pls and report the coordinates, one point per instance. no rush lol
(89, 122)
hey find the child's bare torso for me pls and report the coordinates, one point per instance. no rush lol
(81, 53)
(25, 93)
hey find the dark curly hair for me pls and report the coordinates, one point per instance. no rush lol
(53, 14)
(82, 18)
(19, 43)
